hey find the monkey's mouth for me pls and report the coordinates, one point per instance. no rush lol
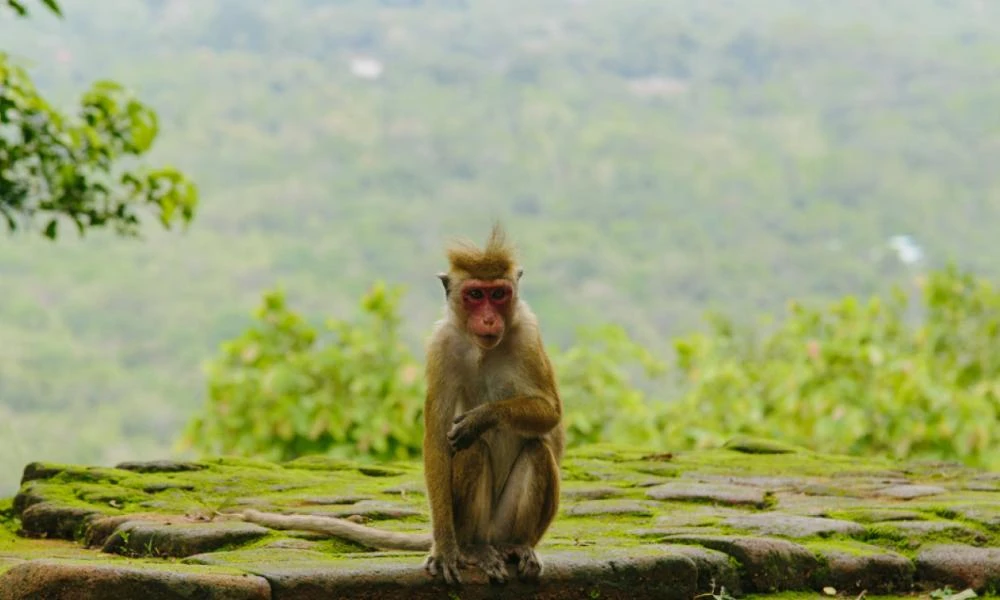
(487, 340)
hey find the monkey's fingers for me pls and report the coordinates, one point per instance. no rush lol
(451, 573)
(447, 569)
(529, 567)
(494, 568)
(462, 436)
(460, 443)
(528, 564)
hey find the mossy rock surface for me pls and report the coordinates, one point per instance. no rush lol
(755, 517)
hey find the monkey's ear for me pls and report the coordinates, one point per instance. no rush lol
(445, 281)
(520, 271)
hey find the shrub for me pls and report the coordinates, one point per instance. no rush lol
(282, 389)
(879, 377)
(857, 377)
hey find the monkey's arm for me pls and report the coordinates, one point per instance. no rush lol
(437, 473)
(530, 415)
(531, 412)
(438, 409)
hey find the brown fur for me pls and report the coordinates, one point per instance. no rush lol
(492, 414)
(495, 261)
(493, 437)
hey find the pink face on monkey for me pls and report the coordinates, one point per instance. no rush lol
(487, 306)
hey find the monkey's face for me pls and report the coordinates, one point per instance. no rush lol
(486, 305)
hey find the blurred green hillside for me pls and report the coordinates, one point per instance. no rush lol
(653, 158)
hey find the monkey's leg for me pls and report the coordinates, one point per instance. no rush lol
(526, 507)
(472, 486)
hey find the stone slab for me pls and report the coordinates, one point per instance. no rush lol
(51, 519)
(960, 567)
(794, 526)
(768, 564)
(52, 579)
(609, 507)
(159, 466)
(920, 529)
(174, 540)
(651, 572)
(721, 493)
(369, 509)
(613, 536)
(590, 493)
(715, 569)
(856, 568)
(984, 514)
(333, 500)
(908, 491)
(875, 514)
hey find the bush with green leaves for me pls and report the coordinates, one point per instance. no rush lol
(600, 381)
(281, 390)
(875, 378)
(880, 377)
(56, 167)
(285, 388)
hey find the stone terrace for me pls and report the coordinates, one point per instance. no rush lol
(752, 518)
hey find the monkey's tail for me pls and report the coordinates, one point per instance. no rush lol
(342, 528)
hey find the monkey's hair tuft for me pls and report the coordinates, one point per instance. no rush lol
(495, 260)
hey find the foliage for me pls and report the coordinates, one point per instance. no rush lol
(21, 9)
(280, 391)
(597, 381)
(283, 390)
(653, 159)
(56, 166)
(854, 377)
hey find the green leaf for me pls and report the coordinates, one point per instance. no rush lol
(19, 8)
(50, 229)
(53, 6)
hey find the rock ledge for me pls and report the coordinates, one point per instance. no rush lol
(752, 518)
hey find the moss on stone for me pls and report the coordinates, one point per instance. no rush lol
(852, 547)
(8, 521)
(875, 515)
(240, 461)
(950, 531)
(595, 478)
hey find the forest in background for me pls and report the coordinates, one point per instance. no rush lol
(653, 159)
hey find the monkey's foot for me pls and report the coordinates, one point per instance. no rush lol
(488, 560)
(444, 564)
(528, 564)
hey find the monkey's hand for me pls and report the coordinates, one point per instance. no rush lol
(444, 561)
(467, 427)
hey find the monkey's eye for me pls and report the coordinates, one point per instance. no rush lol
(476, 294)
(498, 294)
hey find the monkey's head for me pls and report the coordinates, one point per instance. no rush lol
(481, 288)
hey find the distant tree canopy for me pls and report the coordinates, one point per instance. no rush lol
(56, 167)
(652, 159)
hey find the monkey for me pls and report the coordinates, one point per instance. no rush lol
(493, 433)
(493, 437)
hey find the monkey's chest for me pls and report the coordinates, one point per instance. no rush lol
(487, 385)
